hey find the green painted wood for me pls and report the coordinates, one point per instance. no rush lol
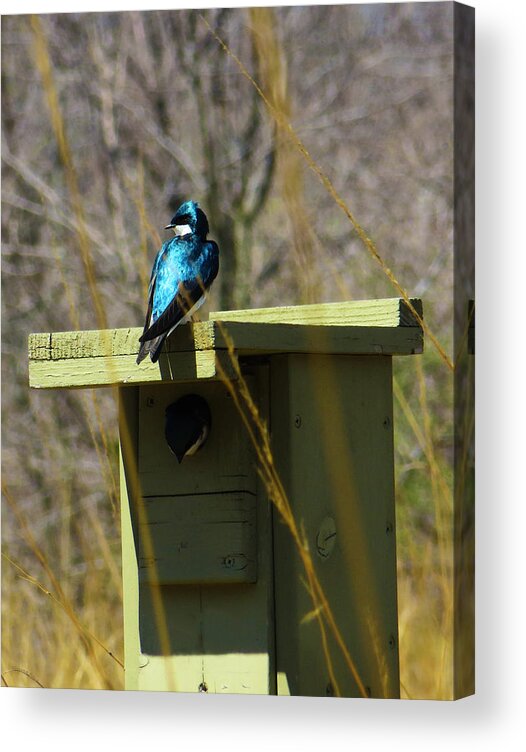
(196, 351)
(212, 469)
(121, 370)
(220, 636)
(388, 312)
(128, 431)
(253, 338)
(208, 539)
(333, 445)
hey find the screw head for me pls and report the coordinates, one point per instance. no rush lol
(387, 422)
(297, 421)
(392, 642)
(202, 687)
(389, 527)
(229, 562)
(150, 401)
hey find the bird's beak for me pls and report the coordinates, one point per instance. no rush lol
(169, 227)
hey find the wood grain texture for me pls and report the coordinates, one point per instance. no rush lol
(387, 312)
(98, 350)
(122, 370)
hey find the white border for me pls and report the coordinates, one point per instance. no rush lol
(58, 719)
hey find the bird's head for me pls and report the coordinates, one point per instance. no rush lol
(188, 219)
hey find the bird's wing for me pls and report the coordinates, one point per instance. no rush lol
(151, 289)
(211, 264)
(187, 295)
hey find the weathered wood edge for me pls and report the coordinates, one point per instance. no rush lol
(246, 338)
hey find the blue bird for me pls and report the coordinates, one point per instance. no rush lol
(183, 271)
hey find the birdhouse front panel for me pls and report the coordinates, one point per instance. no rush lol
(199, 522)
(201, 537)
(223, 464)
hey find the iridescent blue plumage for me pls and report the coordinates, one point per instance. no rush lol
(183, 270)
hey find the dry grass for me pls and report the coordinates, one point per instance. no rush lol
(64, 635)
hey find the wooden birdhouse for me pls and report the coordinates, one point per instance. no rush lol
(215, 592)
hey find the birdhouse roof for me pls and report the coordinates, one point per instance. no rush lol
(210, 349)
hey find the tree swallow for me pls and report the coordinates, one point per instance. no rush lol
(187, 425)
(183, 271)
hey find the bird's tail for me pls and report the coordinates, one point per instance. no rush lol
(151, 347)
